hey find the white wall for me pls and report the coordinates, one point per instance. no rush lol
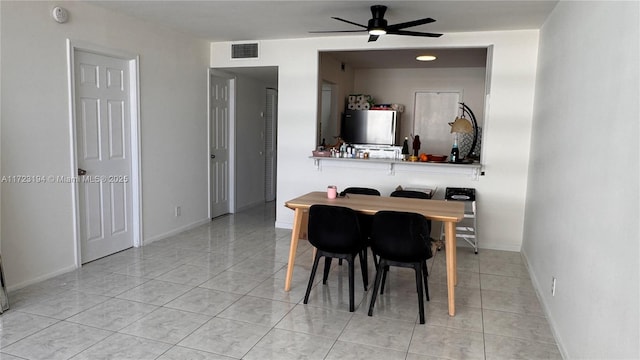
(37, 219)
(582, 213)
(508, 123)
(0, 129)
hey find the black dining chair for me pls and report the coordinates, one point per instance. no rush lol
(401, 239)
(335, 233)
(365, 220)
(413, 195)
(410, 194)
(360, 190)
(406, 194)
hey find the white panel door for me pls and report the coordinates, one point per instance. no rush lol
(219, 140)
(433, 112)
(104, 153)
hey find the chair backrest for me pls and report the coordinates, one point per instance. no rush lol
(410, 194)
(334, 229)
(361, 191)
(401, 236)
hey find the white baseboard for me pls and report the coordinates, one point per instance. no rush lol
(248, 206)
(496, 246)
(545, 306)
(284, 225)
(175, 231)
(71, 268)
(40, 278)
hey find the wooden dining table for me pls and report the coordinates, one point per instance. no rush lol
(448, 212)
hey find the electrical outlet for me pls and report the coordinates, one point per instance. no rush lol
(553, 286)
(178, 210)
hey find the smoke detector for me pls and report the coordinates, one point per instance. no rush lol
(60, 14)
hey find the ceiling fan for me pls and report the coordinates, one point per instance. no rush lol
(377, 25)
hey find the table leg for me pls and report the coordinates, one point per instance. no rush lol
(295, 236)
(452, 276)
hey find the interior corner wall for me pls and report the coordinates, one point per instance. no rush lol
(501, 192)
(0, 132)
(583, 195)
(37, 218)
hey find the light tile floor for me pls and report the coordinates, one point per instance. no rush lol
(216, 292)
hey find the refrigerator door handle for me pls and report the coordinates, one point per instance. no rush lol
(393, 125)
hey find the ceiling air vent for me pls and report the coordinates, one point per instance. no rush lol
(244, 51)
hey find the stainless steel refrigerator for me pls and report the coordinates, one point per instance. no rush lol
(374, 127)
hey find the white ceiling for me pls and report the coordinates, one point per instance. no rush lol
(242, 20)
(259, 20)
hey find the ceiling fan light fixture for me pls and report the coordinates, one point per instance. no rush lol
(426, 58)
(377, 25)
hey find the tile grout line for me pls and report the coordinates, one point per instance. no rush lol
(484, 337)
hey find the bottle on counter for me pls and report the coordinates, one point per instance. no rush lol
(350, 151)
(455, 153)
(416, 145)
(405, 148)
(343, 150)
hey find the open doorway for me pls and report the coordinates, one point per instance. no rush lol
(329, 121)
(252, 136)
(394, 77)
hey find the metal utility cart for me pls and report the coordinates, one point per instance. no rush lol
(466, 229)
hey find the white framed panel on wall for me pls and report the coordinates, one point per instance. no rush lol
(433, 111)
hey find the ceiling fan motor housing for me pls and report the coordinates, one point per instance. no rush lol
(377, 21)
(377, 24)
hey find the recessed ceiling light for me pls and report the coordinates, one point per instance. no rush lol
(425, 58)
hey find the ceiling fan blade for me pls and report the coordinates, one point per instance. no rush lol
(373, 38)
(412, 33)
(348, 22)
(335, 31)
(410, 24)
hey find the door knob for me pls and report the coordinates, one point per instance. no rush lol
(213, 156)
(82, 172)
